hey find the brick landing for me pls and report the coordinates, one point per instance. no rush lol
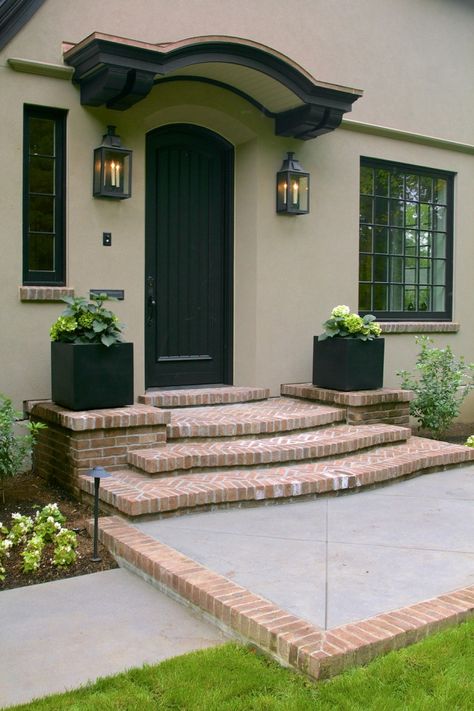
(137, 494)
(267, 417)
(290, 639)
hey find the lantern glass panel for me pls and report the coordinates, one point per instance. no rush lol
(112, 172)
(292, 188)
(115, 171)
(300, 192)
(282, 192)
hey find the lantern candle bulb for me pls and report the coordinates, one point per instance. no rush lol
(295, 193)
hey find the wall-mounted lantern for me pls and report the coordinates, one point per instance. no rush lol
(112, 168)
(292, 188)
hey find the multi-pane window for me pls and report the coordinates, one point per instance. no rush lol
(405, 242)
(43, 196)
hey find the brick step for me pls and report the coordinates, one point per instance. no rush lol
(136, 494)
(324, 442)
(250, 419)
(195, 397)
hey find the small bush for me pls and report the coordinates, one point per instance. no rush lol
(440, 382)
(14, 448)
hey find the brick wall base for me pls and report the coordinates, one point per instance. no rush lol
(74, 442)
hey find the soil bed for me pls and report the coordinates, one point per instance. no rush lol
(26, 494)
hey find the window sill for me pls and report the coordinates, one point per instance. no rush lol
(418, 326)
(44, 293)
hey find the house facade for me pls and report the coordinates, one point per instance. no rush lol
(375, 99)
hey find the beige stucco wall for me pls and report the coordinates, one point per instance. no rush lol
(289, 272)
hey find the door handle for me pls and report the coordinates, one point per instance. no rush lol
(151, 301)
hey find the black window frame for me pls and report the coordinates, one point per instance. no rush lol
(414, 315)
(57, 276)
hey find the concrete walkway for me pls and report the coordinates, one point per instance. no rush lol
(330, 561)
(341, 559)
(59, 635)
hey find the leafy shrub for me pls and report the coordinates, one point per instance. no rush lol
(470, 441)
(440, 382)
(15, 449)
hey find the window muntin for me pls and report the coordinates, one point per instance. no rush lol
(43, 196)
(405, 241)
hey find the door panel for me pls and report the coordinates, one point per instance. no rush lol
(188, 257)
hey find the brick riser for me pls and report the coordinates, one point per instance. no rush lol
(321, 443)
(291, 640)
(197, 397)
(135, 494)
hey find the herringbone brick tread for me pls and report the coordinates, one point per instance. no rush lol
(266, 417)
(324, 442)
(136, 494)
(203, 396)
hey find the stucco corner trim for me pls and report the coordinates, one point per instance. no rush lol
(28, 66)
(419, 327)
(44, 293)
(408, 136)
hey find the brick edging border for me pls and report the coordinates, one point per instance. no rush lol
(290, 639)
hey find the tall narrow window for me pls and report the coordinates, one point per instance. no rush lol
(44, 155)
(406, 241)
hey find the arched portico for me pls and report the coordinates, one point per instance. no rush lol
(118, 72)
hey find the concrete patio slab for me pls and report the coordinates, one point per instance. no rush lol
(59, 635)
(342, 559)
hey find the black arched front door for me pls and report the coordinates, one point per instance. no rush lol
(189, 250)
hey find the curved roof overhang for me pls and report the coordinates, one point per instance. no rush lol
(118, 72)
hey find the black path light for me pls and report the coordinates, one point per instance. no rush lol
(97, 473)
(292, 188)
(112, 168)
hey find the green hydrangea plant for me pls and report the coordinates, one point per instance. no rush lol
(86, 321)
(345, 324)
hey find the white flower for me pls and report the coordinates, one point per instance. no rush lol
(339, 311)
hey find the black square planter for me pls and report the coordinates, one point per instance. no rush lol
(348, 363)
(89, 376)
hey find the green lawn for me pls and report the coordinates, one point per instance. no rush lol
(435, 674)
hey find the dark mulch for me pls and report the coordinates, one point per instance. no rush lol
(26, 494)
